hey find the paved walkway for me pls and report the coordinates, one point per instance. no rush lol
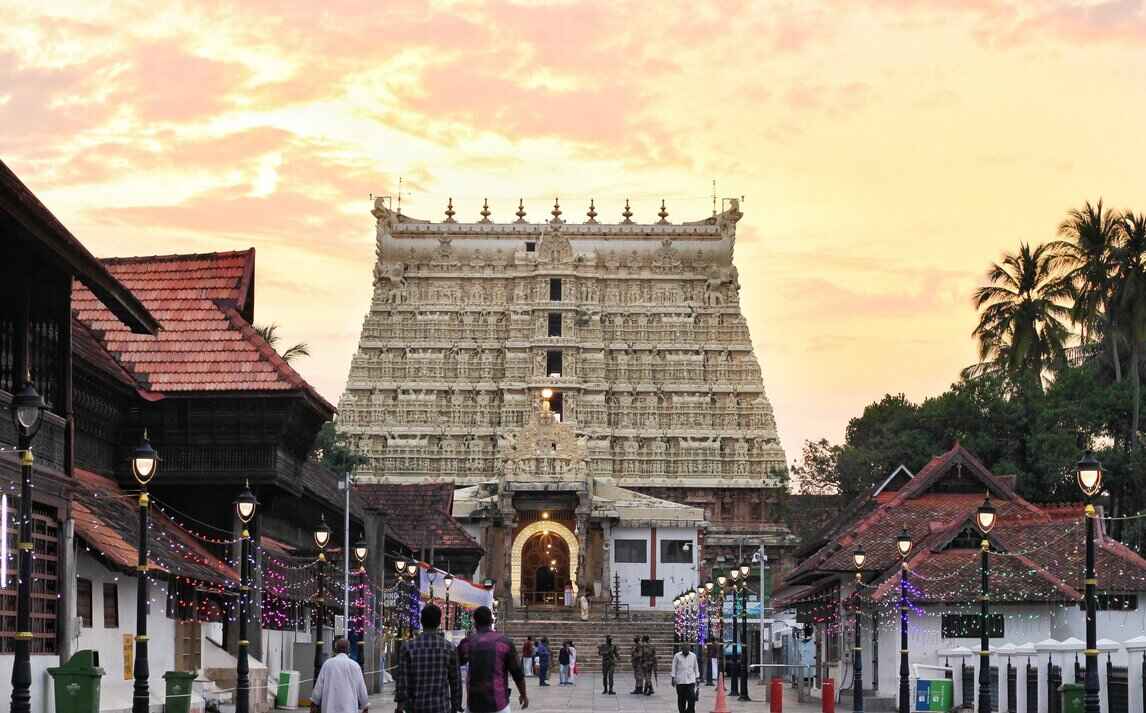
(586, 697)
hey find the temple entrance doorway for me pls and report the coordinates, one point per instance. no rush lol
(544, 559)
(544, 569)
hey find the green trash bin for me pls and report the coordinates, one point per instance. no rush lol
(178, 693)
(942, 695)
(77, 683)
(1072, 694)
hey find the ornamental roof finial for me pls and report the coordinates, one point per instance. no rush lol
(520, 210)
(485, 211)
(556, 212)
(450, 212)
(592, 212)
(628, 214)
(663, 213)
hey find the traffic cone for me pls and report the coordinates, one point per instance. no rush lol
(721, 700)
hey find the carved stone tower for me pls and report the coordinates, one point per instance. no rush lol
(632, 332)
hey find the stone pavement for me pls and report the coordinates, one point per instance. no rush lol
(586, 697)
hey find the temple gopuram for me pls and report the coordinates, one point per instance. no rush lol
(588, 387)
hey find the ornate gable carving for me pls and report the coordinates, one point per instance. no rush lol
(544, 449)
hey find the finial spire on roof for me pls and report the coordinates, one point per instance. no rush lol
(663, 213)
(556, 212)
(485, 211)
(592, 212)
(520, 210)
(628, 214)
(450, 212)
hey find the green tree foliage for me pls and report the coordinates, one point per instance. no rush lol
(269, 333)
(331, 451)
(1037, 436)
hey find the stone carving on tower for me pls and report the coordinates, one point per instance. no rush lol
(636, 326)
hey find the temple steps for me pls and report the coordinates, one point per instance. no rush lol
(588, 634)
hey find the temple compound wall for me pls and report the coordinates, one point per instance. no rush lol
(631, 332)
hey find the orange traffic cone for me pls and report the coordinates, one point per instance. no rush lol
(721, 700)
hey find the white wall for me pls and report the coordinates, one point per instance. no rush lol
(41, 682)
(115, 689)
(678, 577)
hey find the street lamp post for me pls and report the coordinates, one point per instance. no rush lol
(903, 544)
(858, 556)
(399, 612)
(360, 552)
(27, 410)
(721, 582)
(744, 570)
(321, 540)
(985, 518)
(448, 582)
(1090, 481)
(245, 506)
(735, 687)
(709, 587)
(144, 462)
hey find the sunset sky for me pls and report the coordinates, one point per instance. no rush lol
(887, 150)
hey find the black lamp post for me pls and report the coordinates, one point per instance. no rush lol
(400, 611)
(321, 540)
(245, 506)
(734, 576)
(859, 556)
(144, 463)
(985, 518)
(1090, 481)
(709, 588)
(27, 410)
(448, 582)
(744, 570)
(721, 583)
(360, 552)
(903, 544)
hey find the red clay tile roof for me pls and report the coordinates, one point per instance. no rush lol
(1040, 551)
(206, 345)
(107, 518)
(420, 514)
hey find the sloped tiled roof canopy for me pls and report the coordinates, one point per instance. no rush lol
(207, 343)
(1039, 551)
(20, 209)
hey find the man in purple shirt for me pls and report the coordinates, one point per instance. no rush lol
(492, 659)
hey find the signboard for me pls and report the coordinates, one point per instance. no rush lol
(128, 656)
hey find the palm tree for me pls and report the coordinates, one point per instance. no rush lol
(1130, 301)
(1092, 234)
(269, 333)
(1021, 330)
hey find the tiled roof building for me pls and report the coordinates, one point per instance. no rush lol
(1037, 558)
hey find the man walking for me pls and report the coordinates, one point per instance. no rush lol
(648, 664)
(685, 676)
(492, 661)
(339, 687)
(427, 679)
(527, 656)
(609, 658)
(543, 662)
(635, 657)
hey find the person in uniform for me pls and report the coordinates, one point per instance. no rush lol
(635, 658)
(609, 658)
(648, 664)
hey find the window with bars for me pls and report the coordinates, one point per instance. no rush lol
(84, 601)
(45, 583)
(111, 606)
